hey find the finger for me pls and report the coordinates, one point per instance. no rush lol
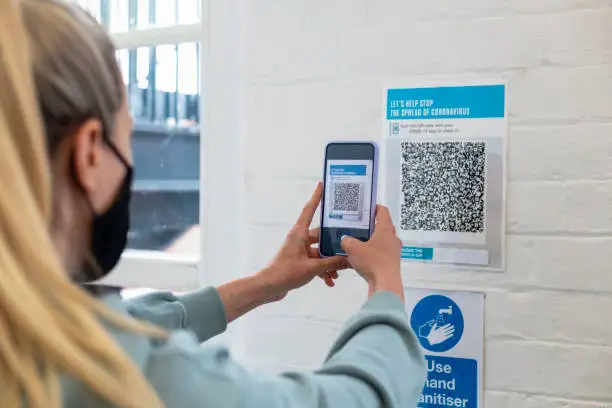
(313, 236)
(449, 330)
(313, 252)
(383, 218)
(336, 263)
(350, 244)
(310, 208)
(447, 326)
(335, 274)
(324, 275)
(330, 282)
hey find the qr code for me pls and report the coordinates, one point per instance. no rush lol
(395, 128)
(347, 197)
(443, 186)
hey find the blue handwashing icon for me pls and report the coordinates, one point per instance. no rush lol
(438, 322)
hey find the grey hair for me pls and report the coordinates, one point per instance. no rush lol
(76, 72)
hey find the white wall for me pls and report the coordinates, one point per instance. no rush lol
(314, 72)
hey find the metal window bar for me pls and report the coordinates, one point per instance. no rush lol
(105, 12)
(150, 104)
(152, 69)
(133, 53)
(175, 98)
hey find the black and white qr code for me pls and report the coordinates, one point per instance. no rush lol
(443, 186)
(347, 197)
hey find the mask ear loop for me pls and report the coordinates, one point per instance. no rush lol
(93, 271)
(116, 151)
(90, 271)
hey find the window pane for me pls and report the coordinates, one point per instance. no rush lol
(125, 15)
(142, 15)
(117, 16)
(164, 102)
(189, 11)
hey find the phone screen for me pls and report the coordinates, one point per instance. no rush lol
(348, 196)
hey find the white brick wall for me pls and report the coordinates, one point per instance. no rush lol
(314, 72)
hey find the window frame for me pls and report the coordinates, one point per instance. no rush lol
(221, 256)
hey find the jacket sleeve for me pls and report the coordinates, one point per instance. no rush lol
(201, 311)
(376, 362)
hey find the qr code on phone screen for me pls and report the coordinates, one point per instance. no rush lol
(347, 197)
(443, 186)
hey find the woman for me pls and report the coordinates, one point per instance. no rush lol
(63, 98)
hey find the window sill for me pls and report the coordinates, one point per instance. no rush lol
(153, 269)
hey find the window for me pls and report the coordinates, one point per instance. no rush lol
(180, 61)
(159, 49)
(126, 15)
(165, 104)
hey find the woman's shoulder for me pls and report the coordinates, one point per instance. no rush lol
(179, 368)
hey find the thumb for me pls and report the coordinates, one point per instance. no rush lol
(350, 244)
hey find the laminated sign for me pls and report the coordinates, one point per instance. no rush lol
(450, 329)
(445, 165)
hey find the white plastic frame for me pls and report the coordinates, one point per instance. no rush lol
(221, 194)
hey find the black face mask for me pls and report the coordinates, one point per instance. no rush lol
(110, 229)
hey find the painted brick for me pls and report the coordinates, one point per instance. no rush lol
(556, 6)
(484, 44)
(339, 106)
(552, 95)
(559, 207)
(280, 156)
(512, 400)
(549, 316)
(282, 16)
(349, 287)
(332, 54)
(276, 339)
(385, 12)
(551, 153)
(564, 264)
(574, 372)
(277, 202)
(578, 37)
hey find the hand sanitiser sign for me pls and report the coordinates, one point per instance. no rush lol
(450, 329)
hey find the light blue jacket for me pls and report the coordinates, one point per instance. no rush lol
(375, 362)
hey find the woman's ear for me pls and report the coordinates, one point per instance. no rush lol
(87, 151)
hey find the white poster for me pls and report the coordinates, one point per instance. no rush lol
(450, 329)
(445, 155)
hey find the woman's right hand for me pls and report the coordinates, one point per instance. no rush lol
(378, 260)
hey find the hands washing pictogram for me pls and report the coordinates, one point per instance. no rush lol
(437, 331)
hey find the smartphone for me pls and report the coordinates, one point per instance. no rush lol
(349, 194)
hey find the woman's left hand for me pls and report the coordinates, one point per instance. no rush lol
(298, 262)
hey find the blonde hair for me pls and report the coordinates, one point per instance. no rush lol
(48, 326)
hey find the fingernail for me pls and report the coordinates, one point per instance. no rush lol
(342, 237)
